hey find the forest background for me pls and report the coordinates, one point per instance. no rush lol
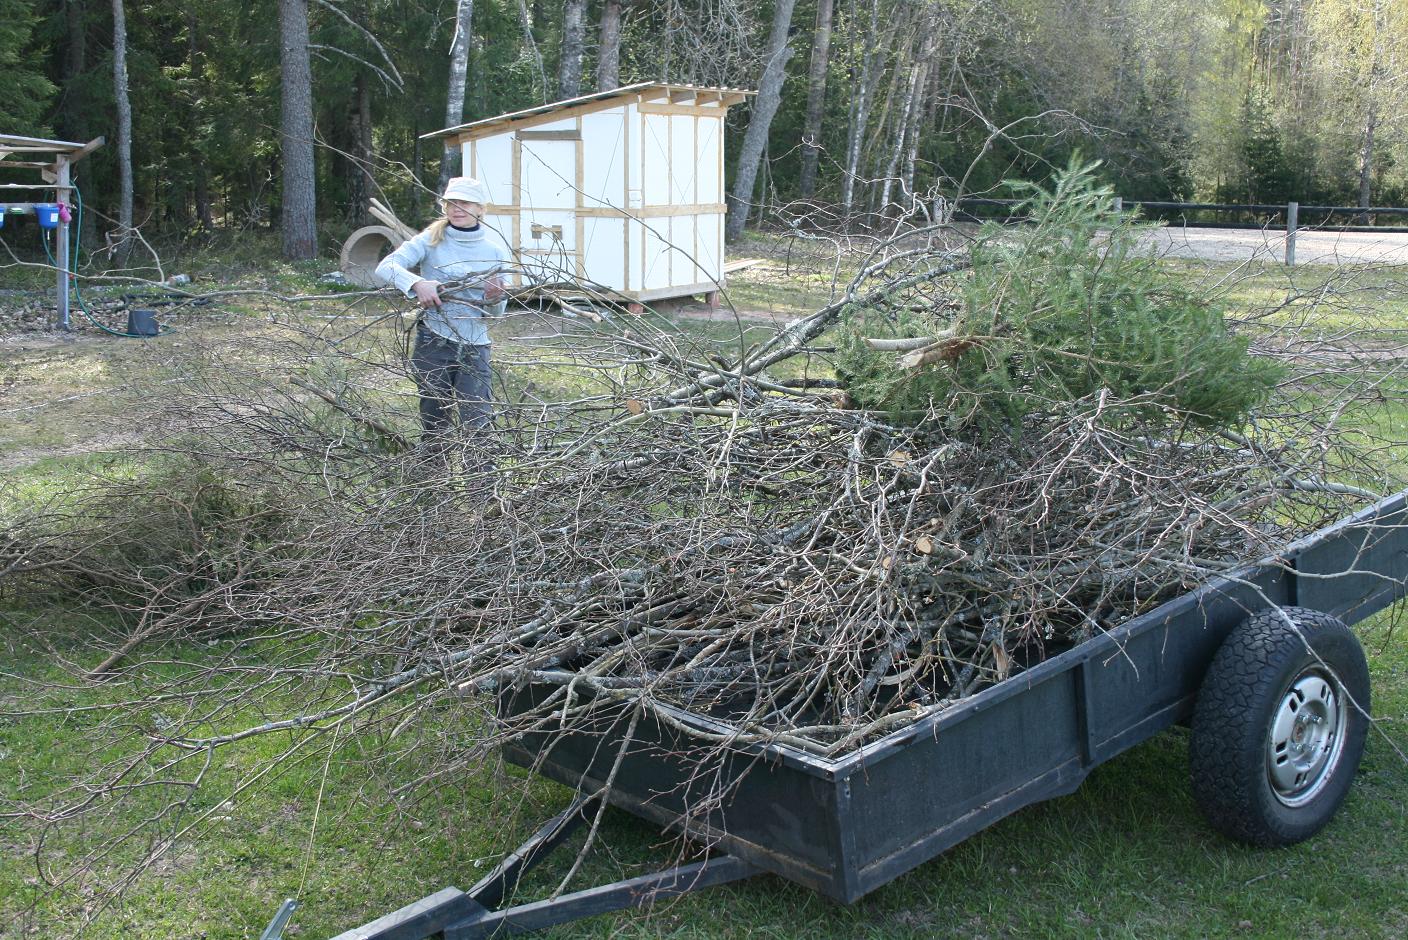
(220, 117)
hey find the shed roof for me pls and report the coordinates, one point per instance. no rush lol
(596, 101)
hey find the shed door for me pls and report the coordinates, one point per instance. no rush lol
(549, 192)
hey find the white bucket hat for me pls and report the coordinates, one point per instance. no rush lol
(466, 189)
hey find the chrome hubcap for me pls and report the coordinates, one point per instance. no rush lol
(1306, 738)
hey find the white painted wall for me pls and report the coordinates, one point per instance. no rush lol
(629, 161)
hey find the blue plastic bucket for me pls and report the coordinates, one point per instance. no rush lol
(48, 216)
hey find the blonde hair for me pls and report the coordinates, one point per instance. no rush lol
(437, 228)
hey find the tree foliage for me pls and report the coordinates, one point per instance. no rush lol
(1228, 99)
(24, 106)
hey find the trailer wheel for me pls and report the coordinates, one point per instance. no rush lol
(1279, 726)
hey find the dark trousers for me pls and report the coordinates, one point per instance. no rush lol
(451, 375)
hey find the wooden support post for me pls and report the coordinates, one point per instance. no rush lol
(635, 307)
(1292, 218)
(712, 299)
(1119, 203)
(61, 258)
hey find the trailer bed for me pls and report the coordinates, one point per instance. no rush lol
(847, 826)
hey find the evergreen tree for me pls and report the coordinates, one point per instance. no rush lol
(1057, 311)
(27, 92)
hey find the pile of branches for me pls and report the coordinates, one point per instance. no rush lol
(798, 571)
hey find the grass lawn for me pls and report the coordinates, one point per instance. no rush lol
(1127, 855)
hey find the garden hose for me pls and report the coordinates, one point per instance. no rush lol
(77, 294)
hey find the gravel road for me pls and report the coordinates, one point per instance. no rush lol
(1312, 247)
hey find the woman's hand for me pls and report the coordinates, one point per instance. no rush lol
(427, 293)
(493, 289)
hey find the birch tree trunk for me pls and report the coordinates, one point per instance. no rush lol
(877, 170)
(918, 118)
(608, 58)
(298, 209)
(860, 108)
(764, 108)
(908, 124)
(816, 97)
(454, 100)
(574, 34)
(1366, 154)
(124, 129)
(526, 20)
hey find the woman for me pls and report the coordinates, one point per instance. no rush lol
(451, 358)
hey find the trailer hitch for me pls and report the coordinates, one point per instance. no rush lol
(474, 914)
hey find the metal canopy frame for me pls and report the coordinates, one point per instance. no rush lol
(54, 160)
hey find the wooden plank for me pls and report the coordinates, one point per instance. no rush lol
(580, 183)
(516, 151)
(686, 109)
(627, 118)
(661, 212)
(86, 149)
(551, 135)
(731, 267)
(612, 212)
(677, 290)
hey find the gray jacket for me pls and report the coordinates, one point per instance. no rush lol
(460, 254)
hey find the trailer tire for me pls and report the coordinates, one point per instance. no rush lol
(1279, 726)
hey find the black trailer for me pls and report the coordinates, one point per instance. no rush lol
(1261, 664)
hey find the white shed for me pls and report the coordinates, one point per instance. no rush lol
(622, 189)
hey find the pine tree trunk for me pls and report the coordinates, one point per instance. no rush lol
(574, 35)
(454, 101)
(608, 58)
(764, 107)
(71, 120)
(124, 129)
(298, 213)
(362, 150)
(204, 215)
(816, 97)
